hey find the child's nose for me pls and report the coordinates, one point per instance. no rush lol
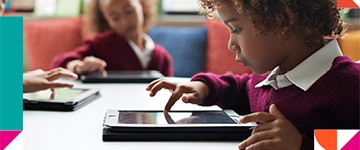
(124, 22)
(233, 47)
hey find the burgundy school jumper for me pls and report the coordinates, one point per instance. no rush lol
(331, 103)
(117, 53)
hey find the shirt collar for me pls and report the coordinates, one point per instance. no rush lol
(270, 79)
(311, 69)
(145, 55)
(149, 44)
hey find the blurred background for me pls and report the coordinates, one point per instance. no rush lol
(52, 27)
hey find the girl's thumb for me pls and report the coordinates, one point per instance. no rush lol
(274, 110)
(190, 98)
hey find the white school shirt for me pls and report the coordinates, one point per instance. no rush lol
(307, 72)
(143, 56)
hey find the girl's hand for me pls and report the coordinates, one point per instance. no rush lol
(89, 64)
(275, 132)
(191, 92)
(40, 80)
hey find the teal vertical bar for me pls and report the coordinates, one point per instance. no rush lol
(11, 47)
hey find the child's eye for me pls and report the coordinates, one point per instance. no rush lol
(115, 18)
(129, 11)
(236, 30)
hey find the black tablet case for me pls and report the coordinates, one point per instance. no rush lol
(142, 76)
(219, 133)
(179, 134)
(34, 105)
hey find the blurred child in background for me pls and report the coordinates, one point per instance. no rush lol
(301, 81)
(120, 41)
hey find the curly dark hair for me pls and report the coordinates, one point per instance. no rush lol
(95, 21)
(316, 21)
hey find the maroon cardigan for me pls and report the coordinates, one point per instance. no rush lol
(331, 103)
(117, 53)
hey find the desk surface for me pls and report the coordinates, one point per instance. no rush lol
(82, 129)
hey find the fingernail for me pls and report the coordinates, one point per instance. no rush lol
(185, 100)
(241, 146)
(241, 119)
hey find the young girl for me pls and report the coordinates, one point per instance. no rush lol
(301, 82)
(120, 42)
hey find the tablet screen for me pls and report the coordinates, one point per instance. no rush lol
(113, 75)
(174, 118)
(58, 94)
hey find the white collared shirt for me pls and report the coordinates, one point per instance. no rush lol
(145, 55)
(307, 72)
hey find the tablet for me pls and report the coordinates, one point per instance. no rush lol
(175, 125)
(140, 76)
(60, 99)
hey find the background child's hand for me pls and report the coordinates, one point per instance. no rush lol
(275, 132)
(89, 64)
(191, 92)
(40, 80)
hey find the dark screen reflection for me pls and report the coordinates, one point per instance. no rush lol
(174, 118)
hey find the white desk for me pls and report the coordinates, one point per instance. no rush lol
(82, 129)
